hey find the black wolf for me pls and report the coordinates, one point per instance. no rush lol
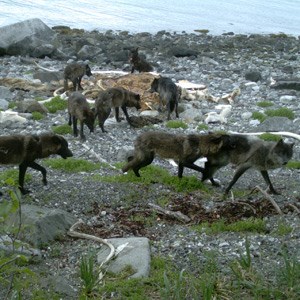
(23, 150)
(249, 152)
(75, 72)
(168, 94)
(138, 63)
(184, 149)
(115, 97)
(78, 109)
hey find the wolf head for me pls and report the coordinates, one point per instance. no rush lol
(54, 144)
(280, 154)
(134, 100)
(88, 70)
(133, 55)
(154, 85)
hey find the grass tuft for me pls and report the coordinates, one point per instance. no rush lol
(56, 104)
(72, 165)
(176, 124)
(281, 112)
(62, 129)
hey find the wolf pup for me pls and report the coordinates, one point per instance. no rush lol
(184, 149)
(23, 150)
(78, 109)
(115, 97)
(75, 72)
(168, 94)
(138, 63)
(250, 152)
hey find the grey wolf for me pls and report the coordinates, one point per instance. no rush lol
(184, 149)
(138, 63)
(249, 152)
(115, 97)
(168, 94)
(78, 109)
(75, 72)
(23, 150)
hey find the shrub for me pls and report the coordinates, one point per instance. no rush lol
(56, 104)
(259, 116)
(264, 103)
(270, 137)
(281, 112)
(62, 129)
(37, 116)
(176, 124)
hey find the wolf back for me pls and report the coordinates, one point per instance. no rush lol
(23, 150)
(168, 94)
(250, 152)
(115, 97)
(185, 149)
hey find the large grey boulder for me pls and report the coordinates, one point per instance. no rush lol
(31, 37)
(42, 225)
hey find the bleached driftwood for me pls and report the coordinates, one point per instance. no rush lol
(174, 214)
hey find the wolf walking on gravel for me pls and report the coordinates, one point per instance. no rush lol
(23, 150)
(249, 152)
(184, 149)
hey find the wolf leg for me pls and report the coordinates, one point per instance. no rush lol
(38, 167)
(82, 136)
(266, 177)
(117, 114)
(70, 120)
(126, 114)
(240, 171)
(75, 131)
(79, 83)
(22, 170)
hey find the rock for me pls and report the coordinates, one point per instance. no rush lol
(275, 124)
(3, 104)
(45, 76)
(29, 106)
(5, 93)
(136, 254)
(42, 225)
(27, 38)
(253, 76)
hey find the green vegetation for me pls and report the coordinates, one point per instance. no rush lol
(62, 129)
(270, 137)
(176, 124)
(264, 103)
(247, 225)
(293, 164)
(10, 177)
(56, 104)
(37, 116)
(72, 165)
(12, 104)
(256, 115)
(282, 229)
(280, 112)
(154, 174)
(202, 127)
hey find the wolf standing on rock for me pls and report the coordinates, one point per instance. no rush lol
(184, 149)
(79, 109)
(23, 150)
(168, 94)
(75, 72)
(250, 152)
(115, 97)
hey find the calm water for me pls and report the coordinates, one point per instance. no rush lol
(239, 16)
